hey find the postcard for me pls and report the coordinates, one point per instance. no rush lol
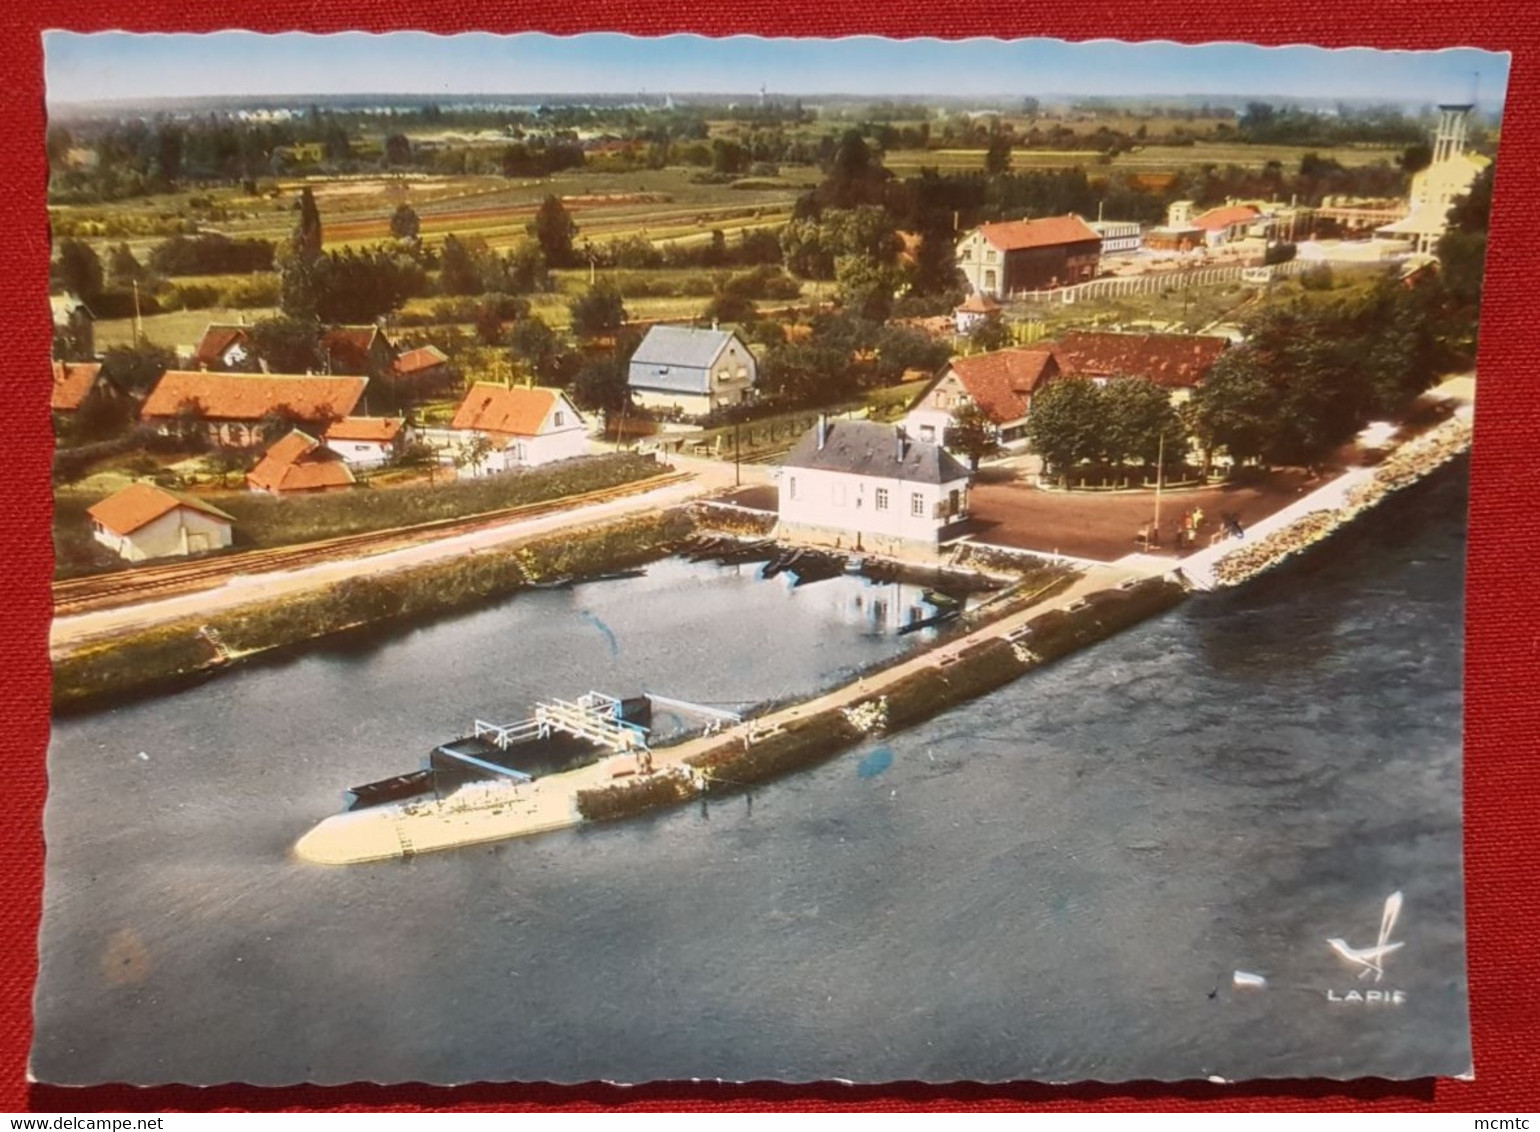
(600, 558)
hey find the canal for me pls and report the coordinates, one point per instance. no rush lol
(1057, 881)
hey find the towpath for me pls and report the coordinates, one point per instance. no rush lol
(69, 633)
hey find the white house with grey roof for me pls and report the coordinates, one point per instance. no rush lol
(870, 487)
(691, 370)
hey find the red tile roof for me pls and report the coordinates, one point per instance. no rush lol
(1218, 219)
(381, 430)
(1002, 382)
(506, 412)
(347, 347)
(299, 463)
(979, 303)
(250, 397)
(1016, 235)
(72, 383)
(217, 338)
(1174, 361)
(138, 504)
(422, 358)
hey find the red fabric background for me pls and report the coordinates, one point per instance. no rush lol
(1502, 715)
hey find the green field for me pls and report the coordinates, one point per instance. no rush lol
(176, 328)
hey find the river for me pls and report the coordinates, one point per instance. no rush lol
(1056, 882)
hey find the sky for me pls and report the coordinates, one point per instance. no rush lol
(124, 66)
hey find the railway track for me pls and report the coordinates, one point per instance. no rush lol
(105, 591)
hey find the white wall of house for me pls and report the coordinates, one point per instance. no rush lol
(508, 452)
(687, 404)
(982, 264)
(868, 505)
(180, 531)
(363, 453)
(370, 453)
(728, 381)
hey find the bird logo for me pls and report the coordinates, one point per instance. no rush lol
(1371, 960)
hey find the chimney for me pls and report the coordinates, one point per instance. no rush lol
(823, 430)
(901, 438)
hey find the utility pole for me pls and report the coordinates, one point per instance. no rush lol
(1160, 476)
(737, 457)
(138, 322)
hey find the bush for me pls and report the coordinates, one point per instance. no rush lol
(191, 296)
(1317, 278)
(258, 291)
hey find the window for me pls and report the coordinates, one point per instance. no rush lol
(917, 505)
(928, 433)
(560, 418)
(882, 499)
(791, 487)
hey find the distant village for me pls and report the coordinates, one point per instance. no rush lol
(1034, 381)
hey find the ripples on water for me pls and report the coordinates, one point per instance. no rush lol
(1055, 882)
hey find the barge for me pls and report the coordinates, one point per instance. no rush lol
(485, 784)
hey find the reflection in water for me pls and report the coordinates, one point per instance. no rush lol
(1056, 882)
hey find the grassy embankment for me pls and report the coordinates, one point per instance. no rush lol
(976, 670)
(265, 521)
(167, 656)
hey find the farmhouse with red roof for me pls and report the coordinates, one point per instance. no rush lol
(1028, 255)
(1000, 383)
(1177, 363)
(499, 428)
(299, 464)
(144, 521)
(368, 442)
(233, 407)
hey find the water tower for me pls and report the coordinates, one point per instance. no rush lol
(1453, 127)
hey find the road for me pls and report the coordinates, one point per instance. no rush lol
(707, 477)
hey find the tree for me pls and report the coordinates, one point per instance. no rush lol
(300, 285)
(135, 369)
(536, 347)
(459, 273)
(78, 270)
(990, 333)
(866, 289)
(807, 374)
(398, 150)
(404, 223)
(1462, 250)
(1141, 422)
(287, 345)
(997, 158)
(601, 386)
(307, 233)
(553, 228)
(1415, 158)
(900, 349)
(972, 434)
(360, 285)
(599, 312)
(124, 268)
(1066, 424)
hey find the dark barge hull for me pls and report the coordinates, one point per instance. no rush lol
(471, 758)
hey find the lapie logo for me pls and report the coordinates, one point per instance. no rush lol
(1371, 960)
